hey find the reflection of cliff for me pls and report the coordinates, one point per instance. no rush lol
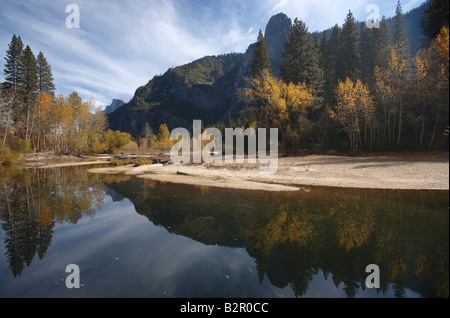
(116, 197)
(293, 236)
(33, 201)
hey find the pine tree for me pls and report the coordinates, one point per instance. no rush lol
(348, 57)
(401, 45)
(367, 50)
(13, 63)
(334, 47)
(327, 65)
(399, 34)
(11, 85)
(301, 59)
(382, 43)
(261, 60)
(45, 76)
(29, 92)
(28, 75)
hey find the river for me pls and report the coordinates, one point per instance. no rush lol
(140, 238)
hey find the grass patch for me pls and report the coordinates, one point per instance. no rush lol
(113, 163)
(143, 162)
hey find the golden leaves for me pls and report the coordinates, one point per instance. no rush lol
(354, 105)
(281, 105)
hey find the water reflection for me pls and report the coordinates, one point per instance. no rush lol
(294, 238)
(34, 200)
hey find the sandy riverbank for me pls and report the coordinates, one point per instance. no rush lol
(409, 173)
(49, 160)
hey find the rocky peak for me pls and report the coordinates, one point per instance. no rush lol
(276, 35)
(116, 103)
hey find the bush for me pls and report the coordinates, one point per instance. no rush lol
(8, 156)
(115, 139)
(143, 162)
(113, 163)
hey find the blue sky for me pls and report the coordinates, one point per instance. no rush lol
(122, 44)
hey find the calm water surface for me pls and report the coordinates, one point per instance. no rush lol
(139, 238)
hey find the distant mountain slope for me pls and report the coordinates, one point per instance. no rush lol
(203, 89)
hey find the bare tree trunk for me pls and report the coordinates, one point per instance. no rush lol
(423, 125)
(400, 111)
(389, 127)
(7, 122)
(434, 130)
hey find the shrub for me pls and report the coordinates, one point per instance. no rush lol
(8, 156)
(143, 162)
(113, 163)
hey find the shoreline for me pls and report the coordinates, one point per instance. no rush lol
(298, 173)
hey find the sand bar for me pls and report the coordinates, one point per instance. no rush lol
(296, 173)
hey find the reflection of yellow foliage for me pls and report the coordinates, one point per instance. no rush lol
(355, 224)
(116, 178)
(420, 264)
(204, 189)
(45, 216)
(353, 235)
(151, 183)
(397, 268)
(283, 228)
(441, 284)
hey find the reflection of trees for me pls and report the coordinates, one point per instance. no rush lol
(354, 222)
(293, 236)
(414, 241)
(33, 201)
(282, 228)
(277, 234)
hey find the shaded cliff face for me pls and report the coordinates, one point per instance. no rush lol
(205, 89)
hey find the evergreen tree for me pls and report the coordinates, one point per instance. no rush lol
(29, 93)
(11, 85)
(324, 52)
(382, 43)
(334, 48)
(301, 59)
(326, 63)
(399, 34)
(261, 60)
(28, 75)
(436, 16)
(401, 46)
(367, 50)
(348, 57)
(45, 76)
(13, 64)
